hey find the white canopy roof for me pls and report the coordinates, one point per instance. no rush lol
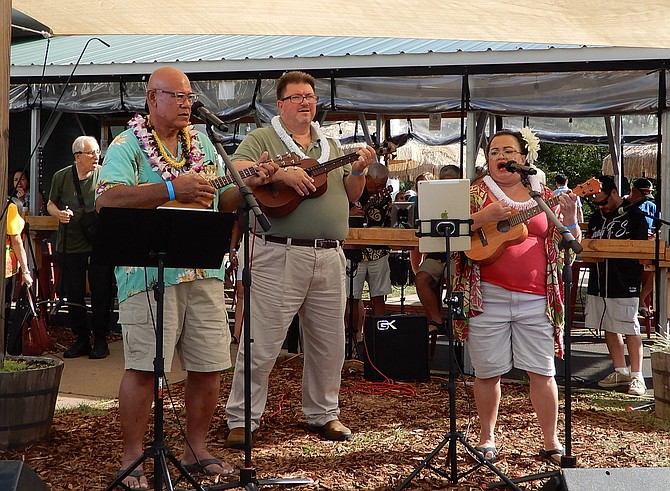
(639, 23)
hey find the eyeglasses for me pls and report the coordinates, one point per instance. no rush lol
(180, 97)
(298, 98)
(507, 152)
(92, 153)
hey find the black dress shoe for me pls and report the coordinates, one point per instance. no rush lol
(80, 348)
(100, 350)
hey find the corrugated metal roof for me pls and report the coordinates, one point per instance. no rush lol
(138, 49)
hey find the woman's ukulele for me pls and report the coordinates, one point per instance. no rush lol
(277, 199)
(490, 241)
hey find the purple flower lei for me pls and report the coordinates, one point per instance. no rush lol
(191, 150)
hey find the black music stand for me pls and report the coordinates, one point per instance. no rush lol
(160, 238)
(452, 228)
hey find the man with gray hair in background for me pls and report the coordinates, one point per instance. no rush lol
(72, 195)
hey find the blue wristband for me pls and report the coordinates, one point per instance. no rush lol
(572, 227)
(354, 173)
(170, 190)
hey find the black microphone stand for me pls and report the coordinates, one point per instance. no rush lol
(454, 303)
(352, 344)
(62, 263)
(568, 243)
(248, 479)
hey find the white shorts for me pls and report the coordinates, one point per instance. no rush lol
(612, 314)
(513, 331)
(378, 275)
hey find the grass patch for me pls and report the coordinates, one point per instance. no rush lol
(618, 404)
(83, 409)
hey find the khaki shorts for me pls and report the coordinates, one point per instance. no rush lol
(612, 314)
(434, 267)
(194, 321)
(378, 275)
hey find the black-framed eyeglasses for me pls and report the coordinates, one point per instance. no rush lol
(91, 153)
(298, 98)
(180, 97)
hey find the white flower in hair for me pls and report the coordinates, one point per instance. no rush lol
(532, 143)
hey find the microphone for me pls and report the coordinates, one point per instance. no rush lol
(513, 166)
(208, 116)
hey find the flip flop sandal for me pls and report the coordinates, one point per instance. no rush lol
(137, 474)
(440, 331)
(200, 467)
(488, 450)
(549, 455)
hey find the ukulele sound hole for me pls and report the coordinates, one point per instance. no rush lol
(503, 226)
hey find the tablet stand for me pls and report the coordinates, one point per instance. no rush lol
(160, 238)
(448, 229)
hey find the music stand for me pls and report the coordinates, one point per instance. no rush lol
(161, 237)
(455, 227)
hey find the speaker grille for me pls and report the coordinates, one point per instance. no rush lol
(397, 346)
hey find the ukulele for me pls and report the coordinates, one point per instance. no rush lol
(491, 240)
(276, 199)
(285, 160)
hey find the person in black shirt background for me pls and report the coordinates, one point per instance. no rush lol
(614, 287)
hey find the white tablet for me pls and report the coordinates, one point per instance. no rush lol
(445, 200)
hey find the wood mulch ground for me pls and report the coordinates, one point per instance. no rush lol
(395, 427)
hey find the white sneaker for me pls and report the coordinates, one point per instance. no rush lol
(637, 386)
(614, 379)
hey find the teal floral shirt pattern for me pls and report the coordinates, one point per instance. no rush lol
(467, 276)
(127, 164)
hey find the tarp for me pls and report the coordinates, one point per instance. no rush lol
(639, 23)
(542, 94)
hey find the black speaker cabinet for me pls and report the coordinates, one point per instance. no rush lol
(397, 346)
(623, 479)
(15, 475)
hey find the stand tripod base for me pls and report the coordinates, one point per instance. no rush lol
(161, 455)
(452, 439)
(249, 482)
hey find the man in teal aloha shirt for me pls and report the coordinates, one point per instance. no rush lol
(159, 159)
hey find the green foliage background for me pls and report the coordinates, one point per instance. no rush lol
(578, 163)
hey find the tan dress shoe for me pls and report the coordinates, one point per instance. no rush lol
(332, 430)
(236, 438)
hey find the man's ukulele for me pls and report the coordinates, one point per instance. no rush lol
(286, 160)
(277, 199)
(491, 240)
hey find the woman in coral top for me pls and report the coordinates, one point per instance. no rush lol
(514, 303)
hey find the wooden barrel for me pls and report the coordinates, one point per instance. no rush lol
(660, 370)
(27, 402)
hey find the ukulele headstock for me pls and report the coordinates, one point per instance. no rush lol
(588, 188)
(386, 148)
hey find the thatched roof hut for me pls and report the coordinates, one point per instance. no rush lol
(638, 161)
(415, 158)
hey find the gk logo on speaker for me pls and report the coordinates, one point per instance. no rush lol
(385, 325)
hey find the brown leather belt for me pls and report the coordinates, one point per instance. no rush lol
(316, 243)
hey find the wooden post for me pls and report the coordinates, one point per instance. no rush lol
(5, 43)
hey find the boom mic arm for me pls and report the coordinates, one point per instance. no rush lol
(208, 116)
